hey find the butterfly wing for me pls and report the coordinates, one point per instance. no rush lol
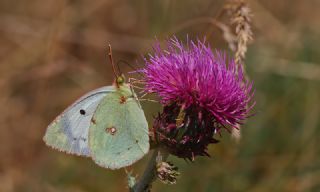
(69, 131)
(118, 135)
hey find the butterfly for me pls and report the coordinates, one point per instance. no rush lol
(106, 124)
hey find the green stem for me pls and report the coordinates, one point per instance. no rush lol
(149, 174)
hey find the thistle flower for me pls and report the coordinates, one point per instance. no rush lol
(201, 93)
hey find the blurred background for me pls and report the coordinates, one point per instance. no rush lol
(53, 51)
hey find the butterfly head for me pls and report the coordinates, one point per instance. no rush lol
(120, 80)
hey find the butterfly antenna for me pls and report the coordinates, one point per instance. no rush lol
(123, 61)
(119, 68)
(112, 63)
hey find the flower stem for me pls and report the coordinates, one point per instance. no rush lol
(149, 174)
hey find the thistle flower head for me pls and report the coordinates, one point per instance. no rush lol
(201, 92)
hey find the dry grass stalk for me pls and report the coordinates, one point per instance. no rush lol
(240, 16)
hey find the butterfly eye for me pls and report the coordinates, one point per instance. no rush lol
(120, 80)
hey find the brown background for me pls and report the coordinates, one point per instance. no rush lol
(53, 51)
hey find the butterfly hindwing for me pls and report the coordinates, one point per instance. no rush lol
(118, 135)
(69, 131)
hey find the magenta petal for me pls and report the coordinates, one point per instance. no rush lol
(194, 75)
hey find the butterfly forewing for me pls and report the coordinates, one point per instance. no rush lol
(69, 131)
(118, 135)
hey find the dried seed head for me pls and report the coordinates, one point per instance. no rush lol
(167, 172)
(241, 16)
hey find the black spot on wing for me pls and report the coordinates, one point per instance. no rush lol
(82, 112)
